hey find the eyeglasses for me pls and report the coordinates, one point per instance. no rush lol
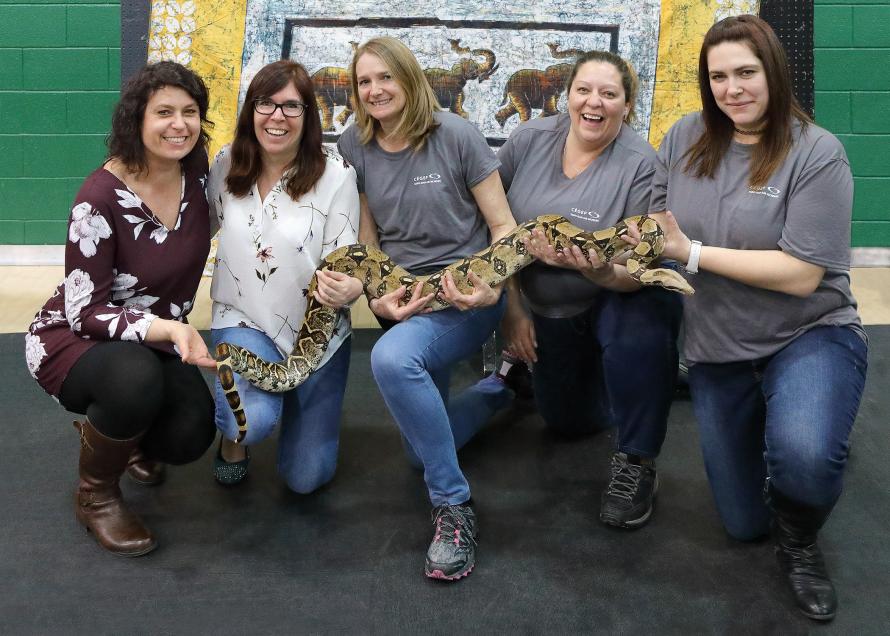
(288, 109)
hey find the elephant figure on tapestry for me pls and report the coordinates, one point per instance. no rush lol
(530, 88)
(448, 84)
(332, 89)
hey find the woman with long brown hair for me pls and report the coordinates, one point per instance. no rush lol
(776, 349)
(283, 202)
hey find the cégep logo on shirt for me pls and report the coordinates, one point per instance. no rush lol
(767, 191)
(425, 179)
(587, 215)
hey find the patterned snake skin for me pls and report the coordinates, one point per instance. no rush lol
(379, 276)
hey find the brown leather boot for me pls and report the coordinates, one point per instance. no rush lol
(145, 471)
(98, 503)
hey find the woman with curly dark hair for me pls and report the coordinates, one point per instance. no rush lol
(112, 342)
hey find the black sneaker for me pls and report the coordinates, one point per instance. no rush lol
(517, 376)
(627, 501)
(452, 553)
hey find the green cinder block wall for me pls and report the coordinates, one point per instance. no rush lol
(852, 60)
(59, 79)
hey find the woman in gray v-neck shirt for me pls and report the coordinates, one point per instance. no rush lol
(776, 348)
(594, 336)
(430, 195)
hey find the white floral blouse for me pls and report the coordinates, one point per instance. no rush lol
(269, 249)
(123, 268)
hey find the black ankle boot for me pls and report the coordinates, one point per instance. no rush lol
(795, 527)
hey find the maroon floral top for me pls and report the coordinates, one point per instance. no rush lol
(123, 268)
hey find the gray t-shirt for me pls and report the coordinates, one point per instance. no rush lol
(616, 185)
(805, 210)
(426, 215)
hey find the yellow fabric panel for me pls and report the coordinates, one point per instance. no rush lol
(208, 37)
(683, 26)
(213, 50)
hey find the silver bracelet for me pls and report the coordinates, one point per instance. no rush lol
(694, 255)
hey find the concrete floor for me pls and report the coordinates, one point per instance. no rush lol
(24, 289)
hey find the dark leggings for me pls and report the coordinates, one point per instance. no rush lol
(614, 364)
(127, 389)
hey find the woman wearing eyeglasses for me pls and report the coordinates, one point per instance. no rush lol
(282, 202)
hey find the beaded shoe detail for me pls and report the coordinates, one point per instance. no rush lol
(230, 473)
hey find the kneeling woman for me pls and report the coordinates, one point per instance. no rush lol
(283, 203)
(113, 342)
(430, 196)
(777, 350)
(588, 320)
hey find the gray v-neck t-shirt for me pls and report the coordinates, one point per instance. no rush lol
(804, 210)
(422, 202)
(616, 185)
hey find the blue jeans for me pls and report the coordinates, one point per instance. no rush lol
(412, 364)
(787, 417)
(615, 364)
(309, 414)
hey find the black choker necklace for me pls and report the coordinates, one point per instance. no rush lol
(749, 132)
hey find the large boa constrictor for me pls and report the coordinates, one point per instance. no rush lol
(380, 275)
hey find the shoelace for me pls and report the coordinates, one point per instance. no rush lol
(625, 479)
(805, 557)
(452, 526)
(84, 443)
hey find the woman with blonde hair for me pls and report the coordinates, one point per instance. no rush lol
(430, 195)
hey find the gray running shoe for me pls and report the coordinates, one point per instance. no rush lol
(452, 553)
(627, 501)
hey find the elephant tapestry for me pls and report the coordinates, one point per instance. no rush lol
(485, 71)
(493, 62)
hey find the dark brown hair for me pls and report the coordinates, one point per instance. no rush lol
(308, 163)
(782, 108)
(629, 80)
(125, 139)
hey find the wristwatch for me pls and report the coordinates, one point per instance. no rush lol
(694, 254)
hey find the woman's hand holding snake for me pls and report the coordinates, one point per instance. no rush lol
(336, 289)
(392, 306)
(539, 247)
(483, 295)
(592, 268)
(676, 243)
